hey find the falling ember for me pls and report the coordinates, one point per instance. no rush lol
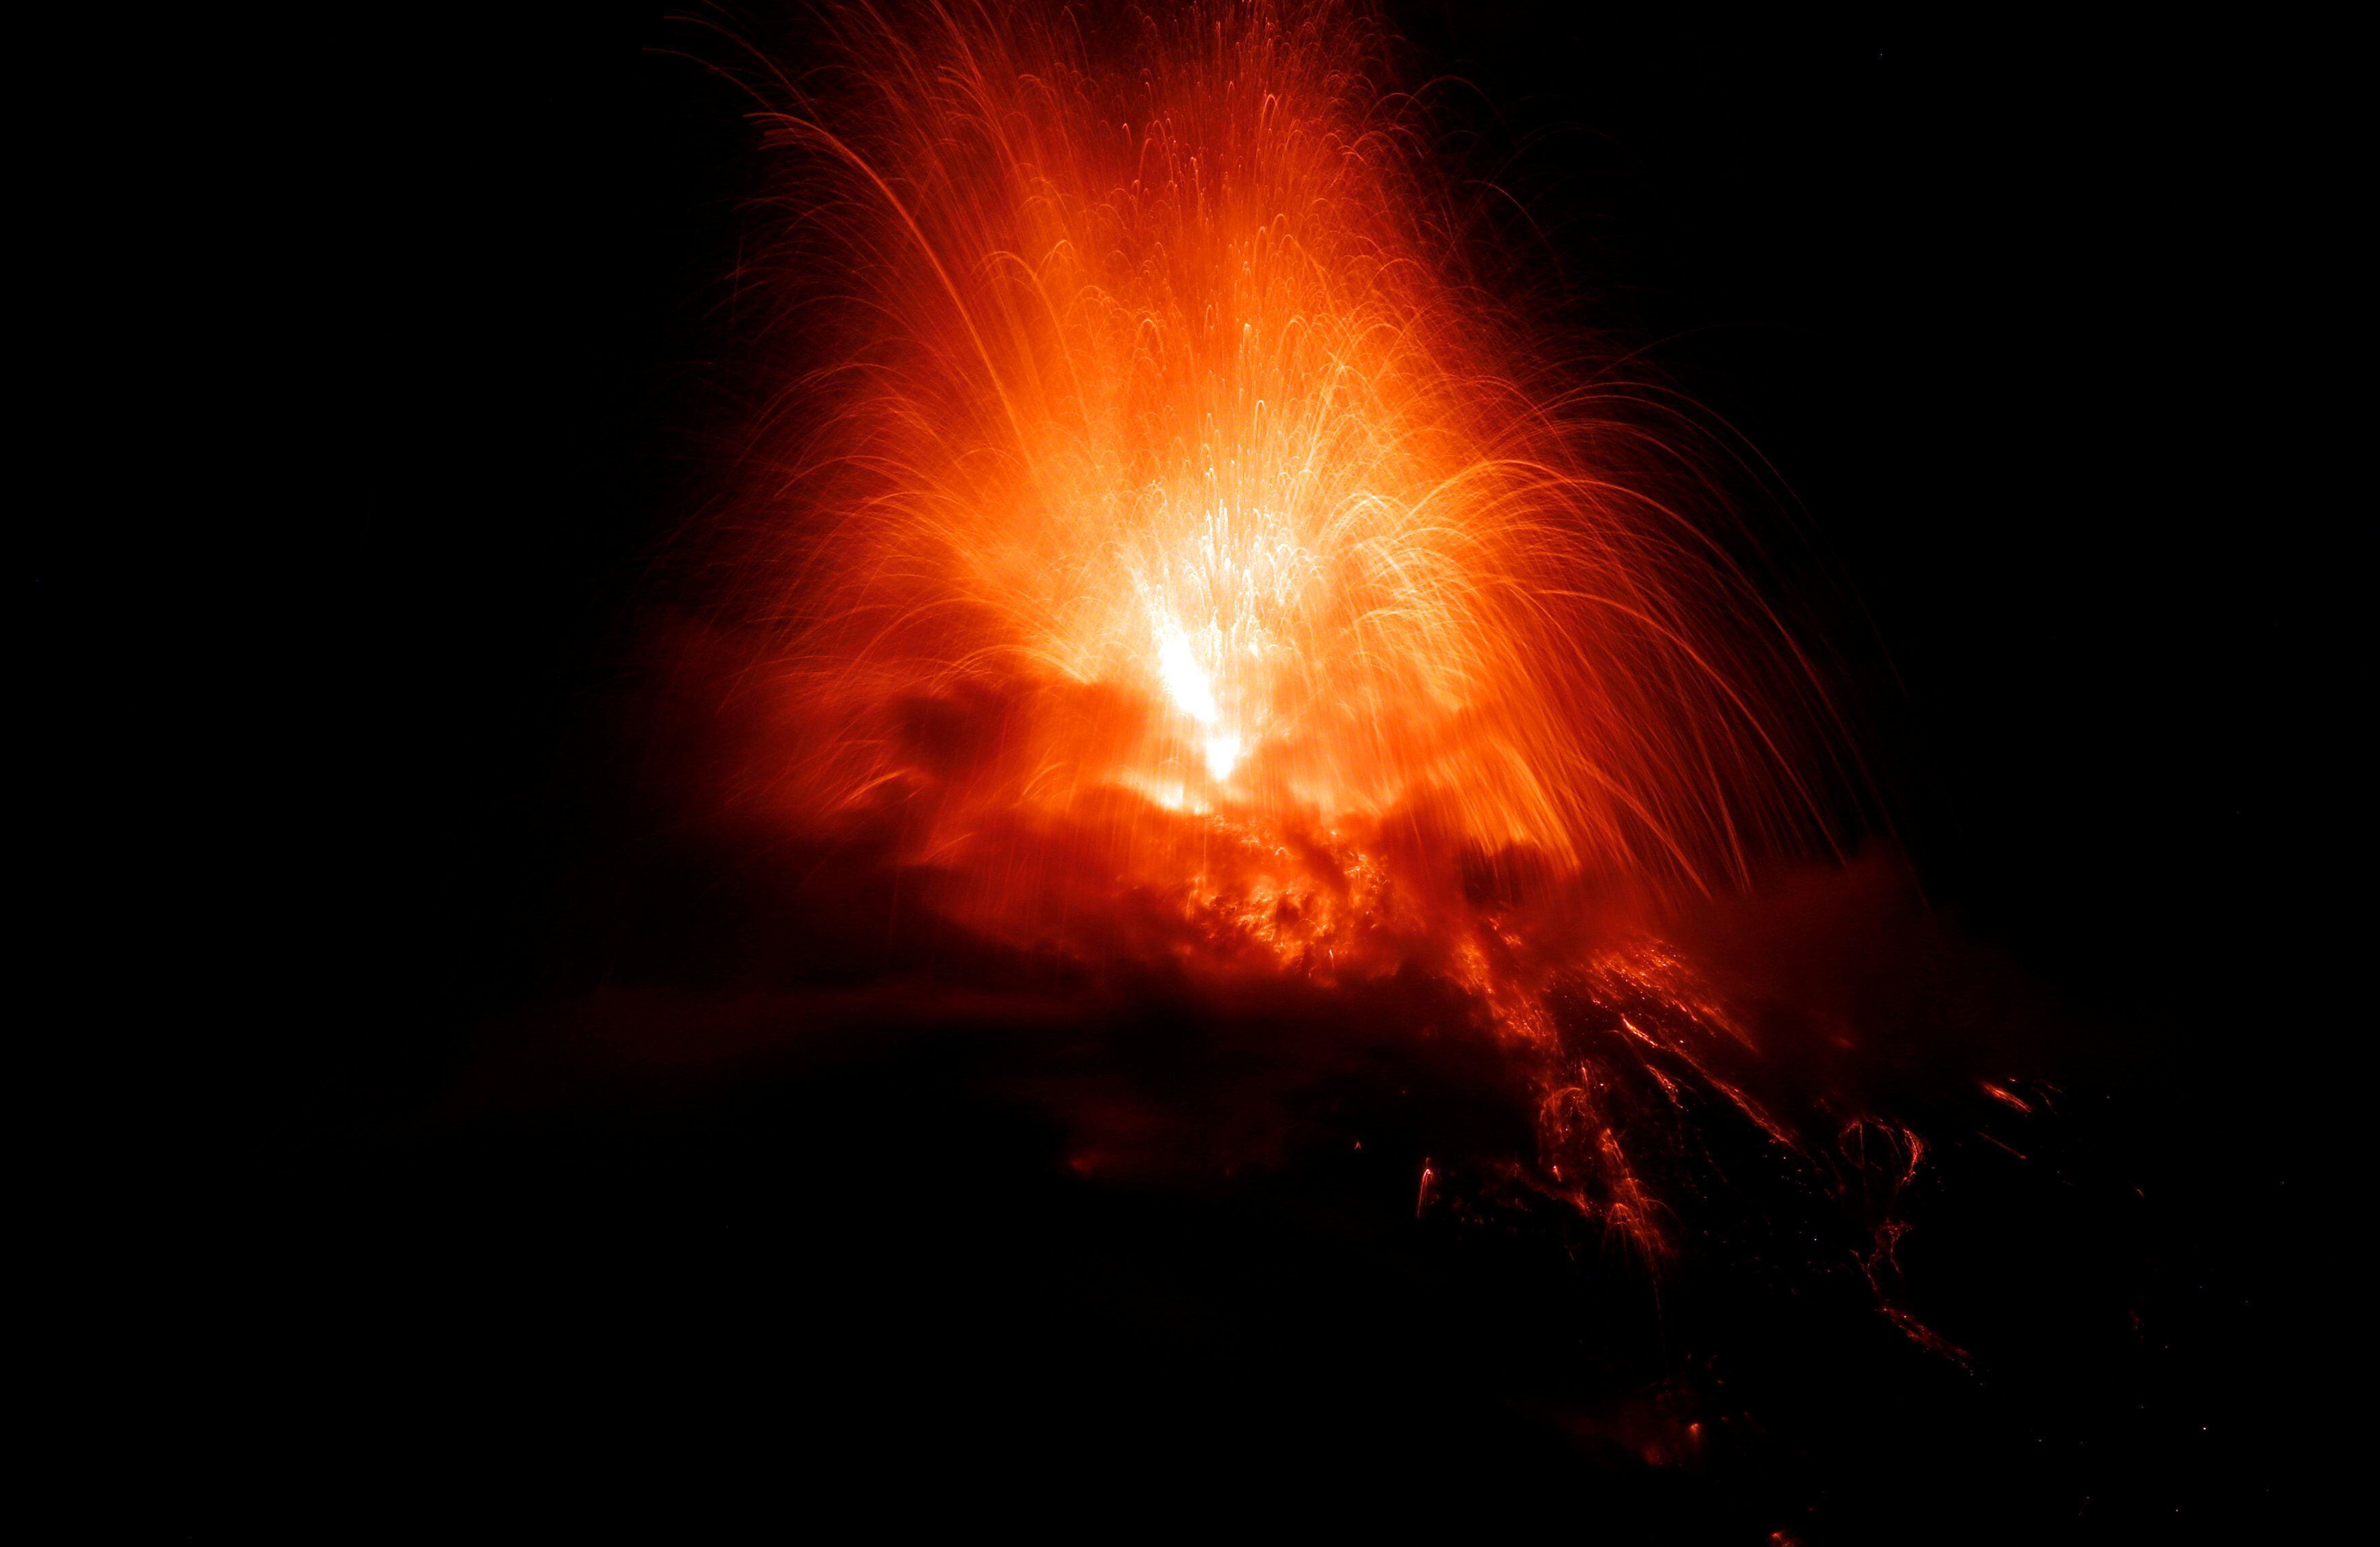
(1187, 551)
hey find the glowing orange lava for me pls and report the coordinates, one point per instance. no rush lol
(1192, 552)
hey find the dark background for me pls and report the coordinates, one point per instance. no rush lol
(2020, 315)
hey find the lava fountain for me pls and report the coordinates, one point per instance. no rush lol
(1181, 537)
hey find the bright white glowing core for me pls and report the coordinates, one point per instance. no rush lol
(1184, 678)
(1193, 693)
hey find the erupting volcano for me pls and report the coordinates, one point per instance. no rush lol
(1188, 552)
(1369, 761)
